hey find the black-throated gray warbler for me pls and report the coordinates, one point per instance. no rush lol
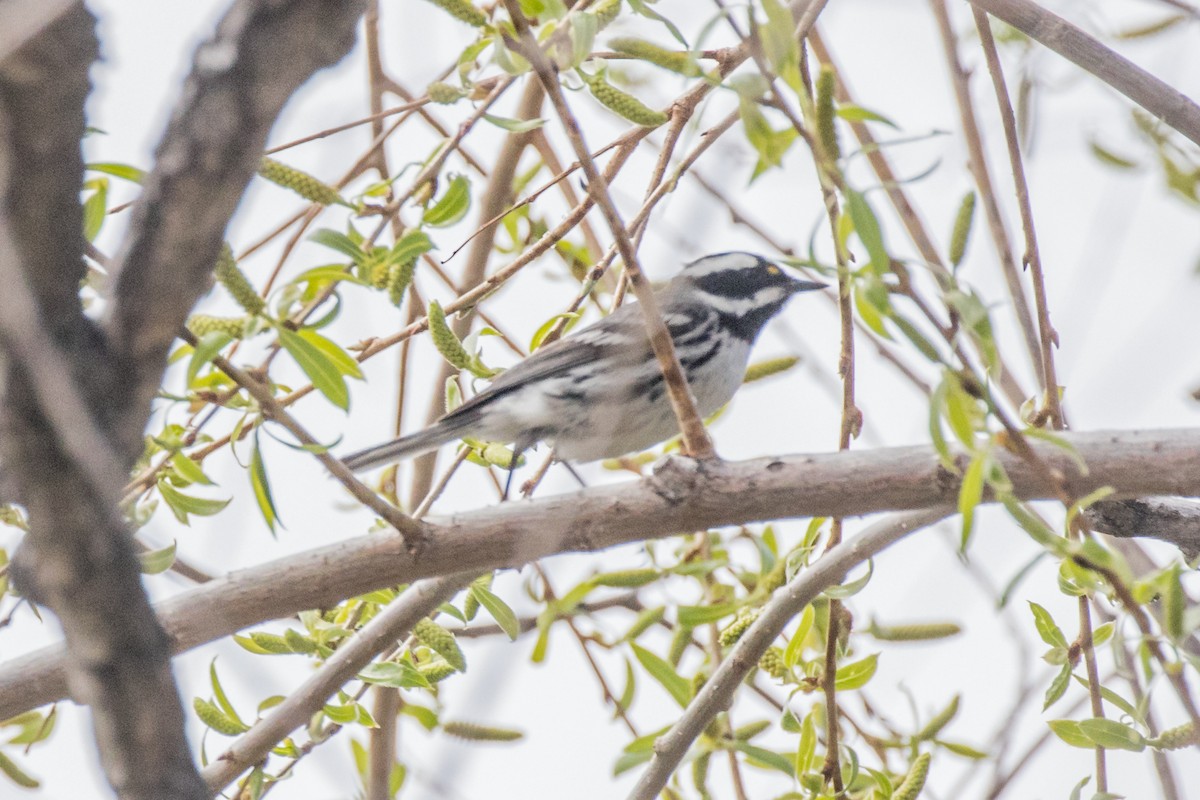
(599, 393)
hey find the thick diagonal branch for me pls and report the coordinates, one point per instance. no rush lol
(1054, 32)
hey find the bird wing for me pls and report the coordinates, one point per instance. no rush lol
(619, 337)
(611, 335)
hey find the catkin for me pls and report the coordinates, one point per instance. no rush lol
(444, 94)
(826, 129)
(436, 671)
(216, 719)
(941, 720)
(1175, 738)
(646, 618)
(962, 229)
(771, 662)
(674, 60)
(914, 782)
(914, 633)
(440, 641)
(462, 10)
(230, 275)
(775, 577)
(444, 339)
(624, 104)
(480, 733)
(303, 184)
(606, 11)
(740, 625)
(471, 603)
(399, 277)
(201, 324)
(679, 642)
(627, 578)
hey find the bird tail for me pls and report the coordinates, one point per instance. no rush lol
(445, 430)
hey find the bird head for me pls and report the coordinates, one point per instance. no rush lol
(746, 289)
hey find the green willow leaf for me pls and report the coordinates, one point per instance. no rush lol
(156, 561)
(678, 687)
(322, 370)
(452, 206)
(182, 505)
(856, 675)
(262, 488)
(498, 609)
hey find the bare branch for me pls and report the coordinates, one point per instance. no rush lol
(1170, 519)
(682, 496)
(1161, 100)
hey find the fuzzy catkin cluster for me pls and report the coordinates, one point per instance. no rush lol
(440, 641)
(735, 629)
(771, 662)
(480, 733)
(230, 275)
(202, 324)
(303, 184)
(463, 11)
(624, 104)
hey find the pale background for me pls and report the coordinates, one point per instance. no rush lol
(1120, 256)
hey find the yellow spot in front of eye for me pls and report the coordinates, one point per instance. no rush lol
(773, 270)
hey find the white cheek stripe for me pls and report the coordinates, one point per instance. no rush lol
(740, 306)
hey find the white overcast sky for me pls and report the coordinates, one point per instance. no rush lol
(1120, 256)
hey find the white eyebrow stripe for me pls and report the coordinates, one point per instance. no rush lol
(725, 262)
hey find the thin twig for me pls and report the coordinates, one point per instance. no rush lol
(390, 624)
(412, 530)
(683, 403)
(785, 604)
(1161, 100)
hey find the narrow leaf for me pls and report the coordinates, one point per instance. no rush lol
(856, 675)
(498, 609)
(262, 488)
(320, 368)
(664, 673)
(156, 561)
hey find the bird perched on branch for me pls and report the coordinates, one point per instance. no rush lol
(599, 393)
